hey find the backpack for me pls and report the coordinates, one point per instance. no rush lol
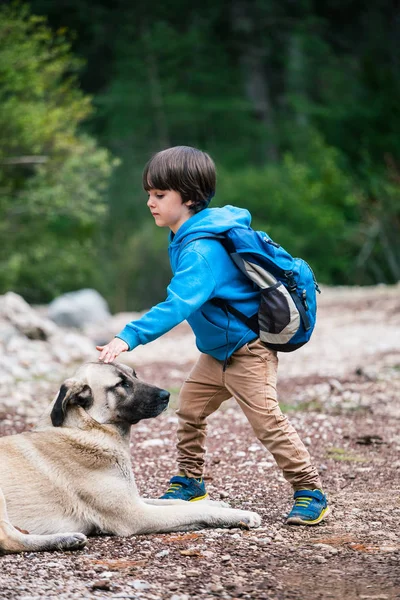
(287, 313)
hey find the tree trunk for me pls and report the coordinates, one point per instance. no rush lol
(253, 65)
(156, 96)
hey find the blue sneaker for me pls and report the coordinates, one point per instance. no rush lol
(185, 488)
(310, 507)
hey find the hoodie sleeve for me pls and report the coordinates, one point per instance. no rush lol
(191, 286)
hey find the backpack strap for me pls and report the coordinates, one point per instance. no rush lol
(251, 322)
(204, 237)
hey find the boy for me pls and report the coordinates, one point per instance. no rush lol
(180, 183)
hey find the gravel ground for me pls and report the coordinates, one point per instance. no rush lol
(341, 392)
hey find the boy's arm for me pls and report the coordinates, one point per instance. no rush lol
(192, 285)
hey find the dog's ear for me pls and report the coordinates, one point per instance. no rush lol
(71, 392)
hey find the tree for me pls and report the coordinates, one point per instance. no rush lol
(52, 178)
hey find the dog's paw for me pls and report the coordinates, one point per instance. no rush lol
(72, 541)
(249, 520)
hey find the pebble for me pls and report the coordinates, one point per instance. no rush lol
(173, 585)
(152, 443)
(162, 554)
(320, 559)
(264, 541)
(193, 573)
(101, 584)
(139, 584)
(327, 548)
(225, 558)
(216, 587)
(254, 448)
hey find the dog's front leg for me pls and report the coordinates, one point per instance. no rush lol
(188, 516)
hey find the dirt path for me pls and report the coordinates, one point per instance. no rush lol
(342, 393)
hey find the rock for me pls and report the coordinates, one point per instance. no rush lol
(193, 573)
(77, 309)
(7, 331)
(152, 443)
(101, 584)
(216, 588)
(320, 559)
(336, 385)
(24, 318)
(254, 448)
(173, 585)
(327, 548)
(264, 541)
(266, 464)
(162, 554)
(225, 558)
(139, 584)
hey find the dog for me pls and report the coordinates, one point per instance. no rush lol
(71, 476)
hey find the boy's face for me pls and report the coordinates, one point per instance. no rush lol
(167, 208)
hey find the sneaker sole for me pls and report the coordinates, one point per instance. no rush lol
(300, 521)
(199, 498)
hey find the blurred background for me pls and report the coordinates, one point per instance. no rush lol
(298, 102)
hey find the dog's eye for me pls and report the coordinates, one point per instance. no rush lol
(125, 384)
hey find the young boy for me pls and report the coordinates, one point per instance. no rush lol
(180, 183)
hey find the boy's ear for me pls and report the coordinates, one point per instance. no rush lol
(71, 392)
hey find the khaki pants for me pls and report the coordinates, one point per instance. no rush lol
(250, 378)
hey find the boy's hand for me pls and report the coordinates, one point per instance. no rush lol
(112, 350)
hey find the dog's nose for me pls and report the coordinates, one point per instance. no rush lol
(164, 395)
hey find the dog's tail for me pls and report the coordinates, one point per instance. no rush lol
(14, 540)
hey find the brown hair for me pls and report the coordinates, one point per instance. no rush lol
(183, 169)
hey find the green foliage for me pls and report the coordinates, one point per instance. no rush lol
(52, 179)
(141, 269)
(309, 206)
(296, 102)
(378, 245)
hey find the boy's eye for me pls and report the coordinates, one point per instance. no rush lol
(159, 196)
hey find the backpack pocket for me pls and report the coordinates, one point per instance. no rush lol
(278, 316)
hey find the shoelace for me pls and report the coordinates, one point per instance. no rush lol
(302, 502)
(173, 487)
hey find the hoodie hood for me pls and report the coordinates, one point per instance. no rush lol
(211, 221)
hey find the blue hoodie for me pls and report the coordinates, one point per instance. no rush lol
(202, 270)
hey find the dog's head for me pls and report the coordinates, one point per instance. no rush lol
(110, 394)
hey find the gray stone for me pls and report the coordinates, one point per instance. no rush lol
(77, 309)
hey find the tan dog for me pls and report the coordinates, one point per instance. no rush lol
(73, 472)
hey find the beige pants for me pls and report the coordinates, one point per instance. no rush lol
(250, 378)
